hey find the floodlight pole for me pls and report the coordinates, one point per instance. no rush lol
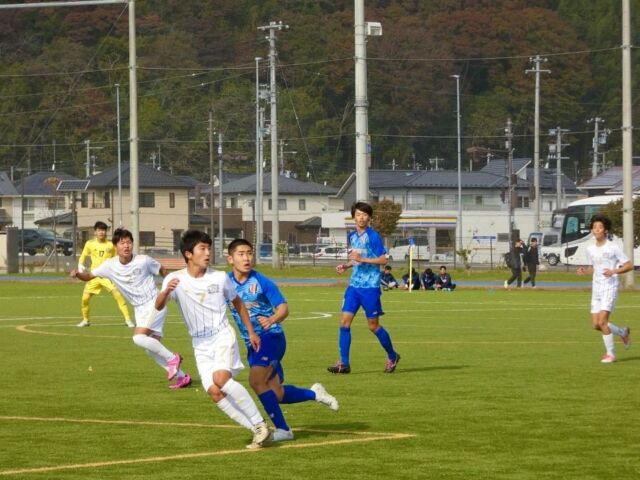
(133, 97)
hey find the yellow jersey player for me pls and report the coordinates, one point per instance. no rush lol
(98, 250)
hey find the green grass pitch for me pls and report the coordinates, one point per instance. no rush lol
(492, 385)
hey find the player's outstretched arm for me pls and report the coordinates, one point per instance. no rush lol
(244, 316)
(163, 296)
(84, 276)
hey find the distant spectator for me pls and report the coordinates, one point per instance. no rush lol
(415, 280)
(387, 280)
(515, 263)
(443, 281)
(428, 279)
(532, 260)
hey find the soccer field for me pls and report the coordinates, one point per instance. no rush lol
(492, 385)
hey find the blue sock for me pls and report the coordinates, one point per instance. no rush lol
(385, 341)
(293, 394)
(345, 344)
(272, 407)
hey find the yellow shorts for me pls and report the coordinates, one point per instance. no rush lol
(95, 286)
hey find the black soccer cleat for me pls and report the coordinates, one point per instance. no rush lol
(339, 368)
(391, 364)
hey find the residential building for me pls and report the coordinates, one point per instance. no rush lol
(609, 182)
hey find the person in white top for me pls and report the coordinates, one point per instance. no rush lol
(606, 261)
(133, 275)
(202, 295)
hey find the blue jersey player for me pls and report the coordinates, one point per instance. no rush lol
(366, 255)
(267, 310)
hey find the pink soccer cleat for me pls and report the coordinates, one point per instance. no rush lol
(626, 340)
(182, 382)
(173, 366)
(606, 358)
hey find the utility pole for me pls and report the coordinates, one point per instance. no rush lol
(258, 200)
(220, 202)
(211, 223)
(594, 165)
(459, 226)
(509, 147)
(362, 29)
(556, 151)
(536, 138)
(119, 155)
(627, 143)
(88, 162)
(275, 219)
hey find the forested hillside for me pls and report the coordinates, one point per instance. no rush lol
(58, 68)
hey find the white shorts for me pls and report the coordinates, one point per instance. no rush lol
(604, 300)
(220, 352)
(148, 317)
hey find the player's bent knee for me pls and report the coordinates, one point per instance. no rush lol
(139, 339)
(215, 393)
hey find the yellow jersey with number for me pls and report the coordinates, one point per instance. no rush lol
(97, 251)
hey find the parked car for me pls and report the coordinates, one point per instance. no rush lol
(400, 249)
(332, 252)
(42, 241)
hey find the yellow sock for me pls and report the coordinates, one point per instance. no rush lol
(122, 304)
(85, 306)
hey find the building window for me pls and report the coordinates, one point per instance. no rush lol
(28, 204)
(282, 204)
(56, 203)
(302, 204)
(107, 200)
(233, 202)
(523, 202)
(172, 200)
(84, 200)
(148, 239)
(147, 199)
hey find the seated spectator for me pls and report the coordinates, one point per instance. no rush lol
(415, 280)
(443, 281)
(387, 280)
(428, 279)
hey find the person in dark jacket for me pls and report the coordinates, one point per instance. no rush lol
(532, 259)
(428, 279)
(443, 281)
(515, 263)
(387, 279)
(415, 280)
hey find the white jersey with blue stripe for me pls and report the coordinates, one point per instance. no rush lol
(368, 244)
(261, 296)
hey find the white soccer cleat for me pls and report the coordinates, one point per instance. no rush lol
(506, 284)
(84, 323)
(280, 435)
(626, 340)
(130, 324)
(322, 396)
(261, 434)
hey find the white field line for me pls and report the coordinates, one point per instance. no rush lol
(360, 438)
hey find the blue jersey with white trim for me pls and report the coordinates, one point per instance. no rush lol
(369, 244)
(261, 296)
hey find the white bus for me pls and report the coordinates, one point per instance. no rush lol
(575, 236)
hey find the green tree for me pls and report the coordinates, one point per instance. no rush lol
(614, 212)
(385, 218)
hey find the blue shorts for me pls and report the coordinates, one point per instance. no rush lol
(272, 348)
(367, 298)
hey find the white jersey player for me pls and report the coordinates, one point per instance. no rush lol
(133, 275)
(202, 295)
(606, 261)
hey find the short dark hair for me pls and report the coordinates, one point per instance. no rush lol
(443, 266)
(238, 242)
(190, 239)
(100, 226)
(387, 267)
(363, 207)
(605, 221)
(119, 234)
(428, 271)
(534, 239)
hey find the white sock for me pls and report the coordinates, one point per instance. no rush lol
(616, 330)
(151, 344)
(233, 413)
(608, 344)
(242, 401)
